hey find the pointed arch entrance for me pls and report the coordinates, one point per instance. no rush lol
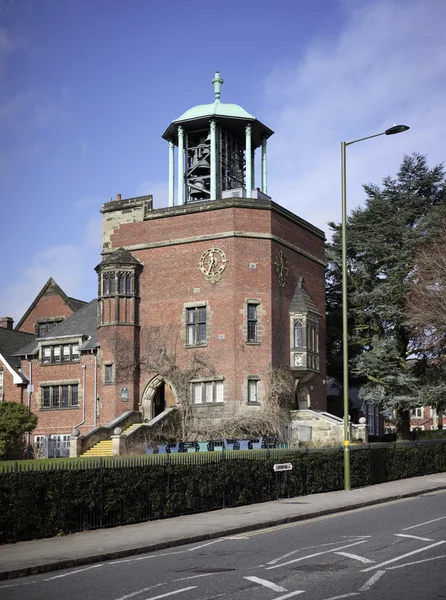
(158, 396)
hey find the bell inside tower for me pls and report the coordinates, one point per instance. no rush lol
(230, 161)
(198, 169)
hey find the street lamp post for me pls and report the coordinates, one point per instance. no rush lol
(391, 131)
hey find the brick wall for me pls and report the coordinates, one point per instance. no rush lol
(12, 392)
(48, 306)
(169, 244)
(62, 420)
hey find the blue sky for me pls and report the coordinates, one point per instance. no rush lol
(87, 87)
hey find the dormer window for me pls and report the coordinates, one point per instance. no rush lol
(60, 353)
(66, 353)
(47, 354)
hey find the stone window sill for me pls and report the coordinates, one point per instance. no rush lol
(52, 408)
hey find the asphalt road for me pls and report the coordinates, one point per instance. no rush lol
(393, 551)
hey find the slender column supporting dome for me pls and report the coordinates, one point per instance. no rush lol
(213, 159)
(171, 173)
(264, 181)
(180, 165)
(248, 158)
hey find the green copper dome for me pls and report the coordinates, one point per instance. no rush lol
(232, 116)
(217, 109)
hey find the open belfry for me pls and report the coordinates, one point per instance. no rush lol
(205, 308)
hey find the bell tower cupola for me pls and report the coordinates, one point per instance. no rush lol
(216, 152)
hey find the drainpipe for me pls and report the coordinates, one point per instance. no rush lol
(84, 377)
(95, 413)
(29, 405)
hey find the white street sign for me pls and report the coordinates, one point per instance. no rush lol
(283, 467)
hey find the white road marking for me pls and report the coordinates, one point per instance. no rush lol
(417, 562)
(125, 560)
(237, 537)
(315, 554)
(343, 596)
(414, 537)
(203, 545)
(290, 595)
(140, 591)
(172, 593)
(425, 523)
(74, 572)
(266, 583)
(17, 584)
(373, 579)
(355, 557)
(197, 576)
(356, 536)
(276, 560)
(388, 562)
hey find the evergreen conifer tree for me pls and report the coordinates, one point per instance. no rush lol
(382, 242)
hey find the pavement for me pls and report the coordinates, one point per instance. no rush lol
(40, 556)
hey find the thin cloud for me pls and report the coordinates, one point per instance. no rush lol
(158, 189)
(386, 66)
(71, 265)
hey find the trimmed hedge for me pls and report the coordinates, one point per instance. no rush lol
(37, 504)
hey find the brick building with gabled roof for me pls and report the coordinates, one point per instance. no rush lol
(50, 307)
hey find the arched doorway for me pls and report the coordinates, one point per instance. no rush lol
(158, 396)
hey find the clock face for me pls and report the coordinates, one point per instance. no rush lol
(281, 265)
(212, 264)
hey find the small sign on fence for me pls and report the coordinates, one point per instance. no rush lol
(283, 467)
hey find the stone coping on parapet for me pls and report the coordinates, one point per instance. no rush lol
(206, 206)
(219, 236)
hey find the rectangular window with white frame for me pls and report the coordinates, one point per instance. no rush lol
(417, 413)
(253, 391)
(207, 392)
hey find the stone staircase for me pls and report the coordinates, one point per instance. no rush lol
(104, 448)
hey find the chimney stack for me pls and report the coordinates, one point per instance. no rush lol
(6, 322)
(118, 197)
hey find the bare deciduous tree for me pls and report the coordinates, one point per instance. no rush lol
(426, 306)
(156, 353)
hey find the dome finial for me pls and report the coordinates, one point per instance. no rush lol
(217, 81)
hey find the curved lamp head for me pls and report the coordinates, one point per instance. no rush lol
(396, 129)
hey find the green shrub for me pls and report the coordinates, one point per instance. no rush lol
(43, 503)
